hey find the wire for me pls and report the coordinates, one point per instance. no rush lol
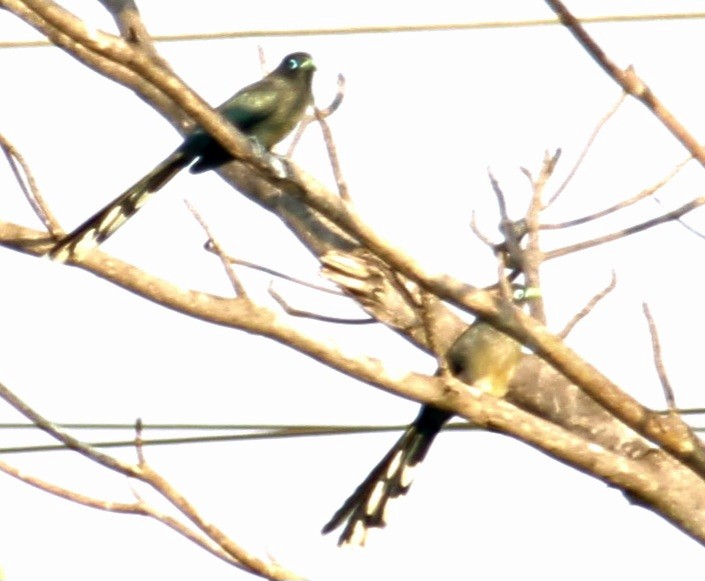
(614, 18)
(262, 432)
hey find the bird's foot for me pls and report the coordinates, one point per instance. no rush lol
(256, 148)
(278, 165)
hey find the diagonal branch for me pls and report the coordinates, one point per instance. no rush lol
(29, 187)
(629, 81)
(673, 215)
(585, 151)
(148, 475)
(645, 193)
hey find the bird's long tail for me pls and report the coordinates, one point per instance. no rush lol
(105, 222)
(391, 478)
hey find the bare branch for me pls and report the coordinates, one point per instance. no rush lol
(658, 359)
(289, 310)
(688, 227)
(60, 492)
(276, 273)
(320, 113)
(586, 149)
(145, 473)
(532, 257)
(511, 245)
(587, 309)
(480, 235)
(262, 60)
(623, 204)
(66, 439)
(673, 215)
(132, 29)
(138, 442)
(29, 187)
(333, 155)
(629, 81)
(227, 264)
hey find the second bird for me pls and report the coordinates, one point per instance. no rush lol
(267, 111)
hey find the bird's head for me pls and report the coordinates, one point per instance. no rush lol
(296, 64)
(519, 293)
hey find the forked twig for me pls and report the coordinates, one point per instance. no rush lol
(217, 542)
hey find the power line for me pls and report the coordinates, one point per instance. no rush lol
(262, 432)
(386, 29)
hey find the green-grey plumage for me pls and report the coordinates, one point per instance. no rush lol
(481, 356)
(266, 111)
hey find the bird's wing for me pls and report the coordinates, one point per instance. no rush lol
(251, 105)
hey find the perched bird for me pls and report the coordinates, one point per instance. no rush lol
(267, 111)
(481, 356)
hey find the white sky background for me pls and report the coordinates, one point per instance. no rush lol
(423, 117)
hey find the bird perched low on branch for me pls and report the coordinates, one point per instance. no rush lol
(481, 356)
(266, 111)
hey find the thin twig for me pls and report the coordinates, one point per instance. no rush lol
(667, 217)
(28, 185)
(499, 194)
(333, 156)
(65, 438)
(629, 81)
(511, 241)
(139, 508)
(586, 149)
(480, 235)
(89, 501)
(147, 474)
(587, 309)
(289, 310)
(658, 359)
(230, 271)
(325, 113)
(254, 266)
(262, 60)
(624, 203)
(688, 227)
(532, 257)
(139, 442)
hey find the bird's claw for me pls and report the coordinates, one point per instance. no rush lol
(278, 165)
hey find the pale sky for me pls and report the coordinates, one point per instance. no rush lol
(424, 115)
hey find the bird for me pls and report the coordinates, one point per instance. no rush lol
(266, 111)
(481, 356)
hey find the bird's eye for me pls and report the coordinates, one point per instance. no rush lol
(292, 64)
(519, 294)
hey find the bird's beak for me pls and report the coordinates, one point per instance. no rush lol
(308, 65)
(532, 292)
